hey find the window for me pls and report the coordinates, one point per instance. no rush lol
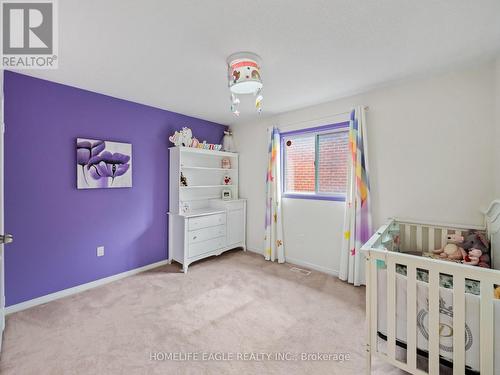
(315, 162)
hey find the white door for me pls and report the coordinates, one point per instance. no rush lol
(4, 238)
(235, 226)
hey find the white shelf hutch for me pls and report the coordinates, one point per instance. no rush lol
(201, 223)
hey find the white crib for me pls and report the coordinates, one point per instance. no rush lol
(422, 237)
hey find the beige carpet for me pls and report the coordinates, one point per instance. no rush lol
(235, 303)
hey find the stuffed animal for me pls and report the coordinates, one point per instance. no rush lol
(475, 246)
(455, 238)
(174, 138)
(186, 137)
(450, 251)
(497, 292)
(182, 138)
(472, 256)
(475, 240)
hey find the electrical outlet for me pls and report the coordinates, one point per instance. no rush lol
(100, 251)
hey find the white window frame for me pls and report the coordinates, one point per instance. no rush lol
(313, 132)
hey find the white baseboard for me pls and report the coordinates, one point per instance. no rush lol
(257, 251)
(301, 263)
(80, 288)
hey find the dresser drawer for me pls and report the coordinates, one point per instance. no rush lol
(206, 221)
(204, 234)
(202, 247)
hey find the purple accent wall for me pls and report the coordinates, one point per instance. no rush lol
(57, 227)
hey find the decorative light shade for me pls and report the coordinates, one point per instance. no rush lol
(244, 78)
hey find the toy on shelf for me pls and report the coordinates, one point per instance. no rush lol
(182, 138)
(227, 180)
(227, 141)
(226, 163)
(184, 181)
(194, 143)
(227, 195)
(209, 146)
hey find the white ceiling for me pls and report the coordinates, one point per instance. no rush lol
(171, 54)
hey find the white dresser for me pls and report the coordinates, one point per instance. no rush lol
(201, 223)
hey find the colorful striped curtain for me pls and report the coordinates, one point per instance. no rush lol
(357, 217)
(273, 239)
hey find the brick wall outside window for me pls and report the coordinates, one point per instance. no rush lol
(299, 158)
(332, 166)
(299, 164)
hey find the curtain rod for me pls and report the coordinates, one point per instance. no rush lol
(366, 108)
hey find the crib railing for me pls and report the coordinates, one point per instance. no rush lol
(426, 236)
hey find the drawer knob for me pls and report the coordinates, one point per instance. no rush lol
(195, 237)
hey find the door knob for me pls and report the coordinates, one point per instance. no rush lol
(6, 238)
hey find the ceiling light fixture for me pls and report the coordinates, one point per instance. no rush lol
(244, 78)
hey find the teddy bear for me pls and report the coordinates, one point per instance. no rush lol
(450, 251)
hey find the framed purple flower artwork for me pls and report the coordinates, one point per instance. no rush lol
(103, 164)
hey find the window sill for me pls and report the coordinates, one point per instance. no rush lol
(314, 197)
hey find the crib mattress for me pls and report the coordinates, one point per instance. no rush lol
(472, 312)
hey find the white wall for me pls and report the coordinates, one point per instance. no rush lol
(430, 154)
